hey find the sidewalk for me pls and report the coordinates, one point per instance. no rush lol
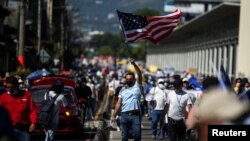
(146, 133)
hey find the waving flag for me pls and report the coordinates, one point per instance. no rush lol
(193, 81)
(224, 79)
(153, 28)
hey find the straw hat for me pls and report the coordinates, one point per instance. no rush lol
(220, 105)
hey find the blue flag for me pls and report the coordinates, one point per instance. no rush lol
(224, 80)
(193, 81)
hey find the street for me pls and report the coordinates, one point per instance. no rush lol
(88, 134)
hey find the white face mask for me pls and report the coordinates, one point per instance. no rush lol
(161, 86)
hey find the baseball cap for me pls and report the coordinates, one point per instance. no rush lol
(160, 80)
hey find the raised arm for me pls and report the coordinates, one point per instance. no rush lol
(138, 71)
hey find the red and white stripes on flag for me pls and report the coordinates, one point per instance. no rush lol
(153, 28)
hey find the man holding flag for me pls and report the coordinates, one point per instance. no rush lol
(137, 27)
(129, 105)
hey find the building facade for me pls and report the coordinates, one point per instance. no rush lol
(204, 43)
(7, 45)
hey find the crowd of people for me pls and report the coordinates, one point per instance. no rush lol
(175, 106)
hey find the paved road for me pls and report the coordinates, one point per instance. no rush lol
(146, 132)
(88, 135)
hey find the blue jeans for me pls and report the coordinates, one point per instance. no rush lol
(156, 115)
(150, 108)
(21, 135)
(130, 122)
(50, 134)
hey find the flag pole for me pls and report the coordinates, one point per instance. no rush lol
(127, 44)
(127, 47)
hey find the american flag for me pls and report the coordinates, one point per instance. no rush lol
(153, 28)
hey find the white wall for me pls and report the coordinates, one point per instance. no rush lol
(243, 52)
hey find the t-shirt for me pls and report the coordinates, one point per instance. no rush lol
(177, 104)
(158, 96)
(60, 100)
(92, 87)
(113, 85)
(83, 92)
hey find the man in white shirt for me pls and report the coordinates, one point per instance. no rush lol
(158, 99)
(177, 101)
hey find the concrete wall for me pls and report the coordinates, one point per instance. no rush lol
(203, 44)
(243, 52)
(202, 57)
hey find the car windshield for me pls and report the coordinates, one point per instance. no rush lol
(38, 94)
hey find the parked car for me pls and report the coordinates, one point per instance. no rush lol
(70, 122)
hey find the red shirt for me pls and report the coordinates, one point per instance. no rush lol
(22, 109)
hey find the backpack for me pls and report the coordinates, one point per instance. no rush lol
(46, 113)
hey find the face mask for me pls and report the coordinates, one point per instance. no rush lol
(130, 83)
(161, 86)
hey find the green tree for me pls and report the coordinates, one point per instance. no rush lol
(104, 50)
(111, 40)
(147, 12)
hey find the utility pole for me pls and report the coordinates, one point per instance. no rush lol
(21, 42)
(62, 38)
(6, 3)
(62, 29)
(39, 28)
(50, 17)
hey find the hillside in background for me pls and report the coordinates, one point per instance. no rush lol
(101, 14)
